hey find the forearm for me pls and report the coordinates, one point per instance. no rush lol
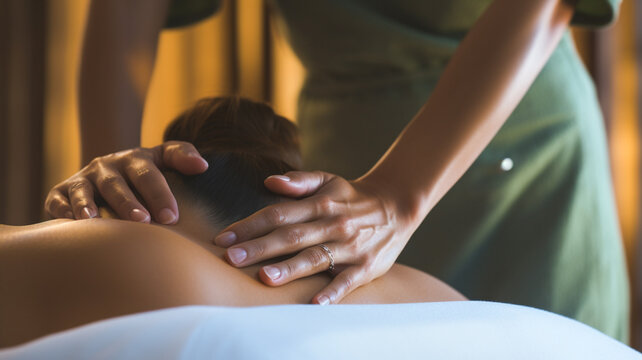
(118, 57)
(484, 81)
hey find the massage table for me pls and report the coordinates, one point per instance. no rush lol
(448, 330)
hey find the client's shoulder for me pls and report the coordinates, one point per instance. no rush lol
(117, 257)
(100, 241)
(403, 284)
(105, 268)
(425, 286)
(88, 232)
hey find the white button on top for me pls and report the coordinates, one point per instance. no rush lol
(506, 164)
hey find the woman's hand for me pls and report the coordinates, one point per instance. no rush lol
(361, 226)
(109, 176)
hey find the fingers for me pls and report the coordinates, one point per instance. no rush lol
(110, 176)
(115, 191)
(152, 186)
(343, 284)
(285, 240)
(310, 261)
(181, 156)
(57, 205)
(274, 216)
(298, 183)
(81, 196)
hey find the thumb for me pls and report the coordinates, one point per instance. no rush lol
(298, 183)
(182, 156)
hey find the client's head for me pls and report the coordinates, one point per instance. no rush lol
(244, 142)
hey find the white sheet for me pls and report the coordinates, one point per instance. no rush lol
(454, 330)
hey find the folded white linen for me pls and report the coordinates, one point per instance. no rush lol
(451, 330)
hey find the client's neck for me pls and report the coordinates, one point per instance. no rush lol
(193, 223)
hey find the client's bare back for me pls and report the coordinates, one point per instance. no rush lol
(61, 274)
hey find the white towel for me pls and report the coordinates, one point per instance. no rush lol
(452, 330)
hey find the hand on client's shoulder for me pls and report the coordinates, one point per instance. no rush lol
(109, 178)
(353, 229)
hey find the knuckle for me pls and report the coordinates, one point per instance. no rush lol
(58, 208)
(275, 216)
(172, 144)
(316, 257)
(294, 237)
(77, 185)
(102, 161)
(118, 199)
(94, 162)
(345, 226)
(367, 259)
(369, 265)
(142, 173)
(325, 205)
(51, 205)
(79, 203)
(257, 251)
(350, 245)
(170, 148)
(186, 147)
(242, 229)
(321, 175)
(348, 283)
(50, 199)
(108, 181)
(288, 269)
(136, 152)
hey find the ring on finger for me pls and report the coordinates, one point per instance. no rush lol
(330, 256)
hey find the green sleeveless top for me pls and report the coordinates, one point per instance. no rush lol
(533, 221)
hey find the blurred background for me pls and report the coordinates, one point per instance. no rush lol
(240, 51)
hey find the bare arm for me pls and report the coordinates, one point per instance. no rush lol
(118, 57)
(490, 72)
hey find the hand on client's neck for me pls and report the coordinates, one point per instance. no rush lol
(193, 223)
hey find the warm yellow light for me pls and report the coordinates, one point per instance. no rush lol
(624, 137)
(65, 24)
(288, 74)
(192, 62)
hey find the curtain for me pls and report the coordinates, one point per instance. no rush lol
(22, 73)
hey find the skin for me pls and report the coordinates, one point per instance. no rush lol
(367, 222)
(119, 50)
(62, 273)
(107, 177)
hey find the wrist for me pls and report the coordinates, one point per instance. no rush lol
(400, 203)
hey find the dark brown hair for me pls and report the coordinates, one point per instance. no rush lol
(243, 142)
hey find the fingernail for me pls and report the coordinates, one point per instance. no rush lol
(225, 239)
(236, 255)
(69, 215)
(272, 272)
(86, 213)
(166, 216)
(280, 177)
(323, 300)
(138, 215)
(199, 157)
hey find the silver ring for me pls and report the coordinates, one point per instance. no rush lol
(330, 256)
